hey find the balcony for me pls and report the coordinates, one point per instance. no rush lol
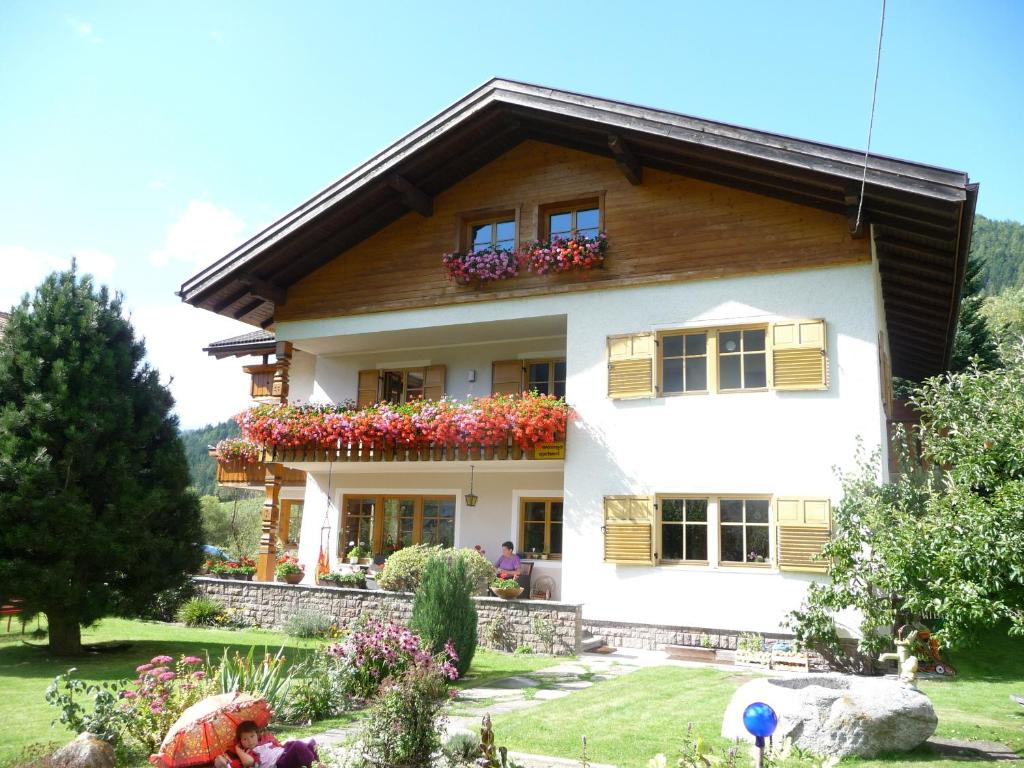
(251, 473)
(500, 428)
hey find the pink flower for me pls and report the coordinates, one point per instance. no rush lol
(143, 668)
(191, 660)
(167, 676)
(156, 708)
(161, 660)
(128, 694)
(199, 675)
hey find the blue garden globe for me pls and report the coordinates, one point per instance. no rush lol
(760, 720)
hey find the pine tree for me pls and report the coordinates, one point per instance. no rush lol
(443, 609)
(94, 507)
(973, 336)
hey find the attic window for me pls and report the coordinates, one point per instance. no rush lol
(492, 234)
(566, 220)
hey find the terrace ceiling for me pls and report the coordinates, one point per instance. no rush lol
(920, 216)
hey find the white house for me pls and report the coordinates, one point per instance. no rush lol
(736, 342)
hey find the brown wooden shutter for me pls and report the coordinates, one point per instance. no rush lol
(369, 388)
(433, 382)
(798, 353)
(631, 365)
(629, 530)
(507, 377)
(804, 526)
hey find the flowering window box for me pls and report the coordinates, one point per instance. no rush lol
(492, 427)
(465, 267)
(573, 254)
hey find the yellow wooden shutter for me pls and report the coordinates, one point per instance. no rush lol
(631, 365)
(629, 530)
(798, 355)
(368, 393)
(804, 526)
(433, 382)
(507, 377)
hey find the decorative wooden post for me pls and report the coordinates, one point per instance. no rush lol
(267, 559)
(283, 355)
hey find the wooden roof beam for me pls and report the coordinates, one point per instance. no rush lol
(264, 289)
(233, 298)
(412, 196)
(252, 306)
(626, 160)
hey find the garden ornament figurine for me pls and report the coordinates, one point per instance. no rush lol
(904, 657)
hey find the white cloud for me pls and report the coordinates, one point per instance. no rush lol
(205, 390)
(23, 269)
(157, 184)
(203, 233)
(83, 29)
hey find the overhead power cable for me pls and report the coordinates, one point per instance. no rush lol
(871, 119)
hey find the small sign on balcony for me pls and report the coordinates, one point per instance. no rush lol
(549, 451)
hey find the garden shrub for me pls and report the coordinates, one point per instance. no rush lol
(460, 747)
(499, 632)
(403, 570)
(443, 612)
(201, 612)
(545, 632)
(317, 691)
(268, 677)
(158, 696)
(376, 650)
(308, 623)
(403, 726)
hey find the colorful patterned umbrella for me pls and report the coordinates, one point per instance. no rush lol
(207, 729)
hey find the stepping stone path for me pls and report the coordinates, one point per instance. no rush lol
(525, 691)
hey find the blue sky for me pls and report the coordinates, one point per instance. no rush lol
(148, 139)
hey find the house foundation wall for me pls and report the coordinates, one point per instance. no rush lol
(270, 605)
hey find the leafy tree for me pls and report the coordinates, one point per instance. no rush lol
(948, 541)
(234, 524)
(1004, 314)
(94, 508)
(202, 467)
(443, 609)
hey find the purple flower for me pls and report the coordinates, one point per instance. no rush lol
(191, 660)
(167, 676)
(128, 694)
(143, 668)
(156, 708)
(199, 674)
(161, 660)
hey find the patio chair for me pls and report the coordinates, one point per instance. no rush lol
(11, 610)
(525, 574)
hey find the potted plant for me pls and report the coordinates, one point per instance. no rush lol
(508, 589)
(356, 553)
(565, 254)
(219, 568)
(481, 266)
(751, 651)
(289, 570)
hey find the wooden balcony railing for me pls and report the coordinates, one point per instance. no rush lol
(507, 451)
(240, 472)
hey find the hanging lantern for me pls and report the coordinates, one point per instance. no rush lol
(471, 498)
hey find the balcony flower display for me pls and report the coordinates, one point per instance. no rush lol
(560, 254)
(528, 419)
(236, 449)
(483, 266)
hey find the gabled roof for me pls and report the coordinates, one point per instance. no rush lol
(920, 215)
(253, 343)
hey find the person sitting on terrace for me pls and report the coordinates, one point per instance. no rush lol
(507, 566)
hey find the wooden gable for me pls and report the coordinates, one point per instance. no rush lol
(668, 228)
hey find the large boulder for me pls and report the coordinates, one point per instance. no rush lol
(86, 751)
(838, 715)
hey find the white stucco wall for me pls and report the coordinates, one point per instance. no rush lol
(760, 443)
(494, 519)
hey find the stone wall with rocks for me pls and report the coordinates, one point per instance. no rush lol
(507, 624)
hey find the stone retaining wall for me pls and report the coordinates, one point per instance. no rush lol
(654, 637)
(271, 604)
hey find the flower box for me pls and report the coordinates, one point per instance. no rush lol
(574, 254)
(481, 267)
(756, 659)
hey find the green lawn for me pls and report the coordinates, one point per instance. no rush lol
(629, 719)
(26, 671)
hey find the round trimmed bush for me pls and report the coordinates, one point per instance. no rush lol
(403, 570)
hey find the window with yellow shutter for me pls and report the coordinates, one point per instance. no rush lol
(629, 530)
(799, 359)
(631, 365)
(804, 526)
